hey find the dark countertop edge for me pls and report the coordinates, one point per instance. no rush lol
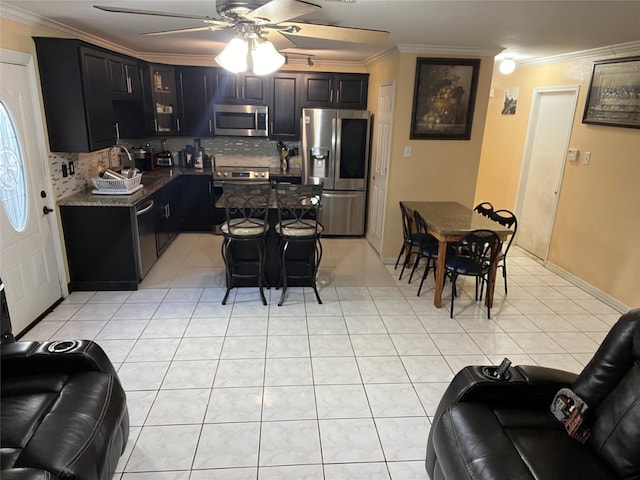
(152, 182)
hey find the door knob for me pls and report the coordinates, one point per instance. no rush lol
(46, 210)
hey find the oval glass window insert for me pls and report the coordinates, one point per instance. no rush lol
(13, 187)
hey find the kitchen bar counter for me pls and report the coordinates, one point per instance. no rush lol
(152, 182)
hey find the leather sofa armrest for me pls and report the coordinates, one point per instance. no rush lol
(528, 385)
(21, 358)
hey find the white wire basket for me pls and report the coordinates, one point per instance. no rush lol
(126, 185)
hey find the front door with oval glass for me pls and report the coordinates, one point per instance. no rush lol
(28, 265)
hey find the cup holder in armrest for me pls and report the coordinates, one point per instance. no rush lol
(500, 373)
(62, 346)
(492, 373)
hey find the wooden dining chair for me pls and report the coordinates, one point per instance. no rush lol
(507, 219)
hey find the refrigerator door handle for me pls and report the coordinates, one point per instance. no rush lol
(337, 147)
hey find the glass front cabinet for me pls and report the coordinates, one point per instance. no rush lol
(165, 100)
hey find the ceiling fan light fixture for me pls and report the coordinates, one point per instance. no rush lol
(266, 58)
(234, 56)
(507, 66)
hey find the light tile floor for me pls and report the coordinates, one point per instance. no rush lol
(342, 390)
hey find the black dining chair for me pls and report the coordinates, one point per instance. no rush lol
(243, 248)
(427, 249)
(507, 219)
(473, 255)
(484, 208)
(411, 238)
(299, 233)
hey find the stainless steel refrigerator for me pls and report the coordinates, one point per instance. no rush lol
(335, 153)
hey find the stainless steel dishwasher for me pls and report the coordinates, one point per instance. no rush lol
(145, 232)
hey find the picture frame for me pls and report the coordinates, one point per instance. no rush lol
(613, 98)
(444, 98)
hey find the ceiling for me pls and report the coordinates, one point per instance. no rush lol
(525, 29)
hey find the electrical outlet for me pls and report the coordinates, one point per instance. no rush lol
(65, 173)
(407, 151)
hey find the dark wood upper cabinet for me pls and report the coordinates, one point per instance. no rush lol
(125, 79)
(195, 91)
(85, 93)
(98, 103)
(335, 90)
(285, 109)
(242, 88)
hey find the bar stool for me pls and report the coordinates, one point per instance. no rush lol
(299, 233)
(245, 228)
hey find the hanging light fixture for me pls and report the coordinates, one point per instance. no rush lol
(266, 58)
(249, 45)
(507, 66)
(234, 56)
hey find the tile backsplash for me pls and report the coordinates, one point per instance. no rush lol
(254, 151)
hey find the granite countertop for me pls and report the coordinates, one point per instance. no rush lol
(152, 182)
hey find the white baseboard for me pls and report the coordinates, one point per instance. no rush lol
(587, 287)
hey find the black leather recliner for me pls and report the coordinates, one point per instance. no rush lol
(504, 430)
(64, 412)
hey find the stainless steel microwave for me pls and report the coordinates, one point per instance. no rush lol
(241, 120)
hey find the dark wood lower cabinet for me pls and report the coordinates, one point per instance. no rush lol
(168, 212)
(100, 245)
(198, 201)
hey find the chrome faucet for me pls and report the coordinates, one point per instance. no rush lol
(124, 149)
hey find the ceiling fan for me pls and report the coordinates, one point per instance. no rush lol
(267, 21)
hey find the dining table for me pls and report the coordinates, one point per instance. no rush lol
(449, 222)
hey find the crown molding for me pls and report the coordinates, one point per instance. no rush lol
(619, 50)
(449, 50)
(17, 14)
(381, 56)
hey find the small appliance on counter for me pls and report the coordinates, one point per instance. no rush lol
(193, 156)
(163, 158)
(142, 158)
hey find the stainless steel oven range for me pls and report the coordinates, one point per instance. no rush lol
(222, 174)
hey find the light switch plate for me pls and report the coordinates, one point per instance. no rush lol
(407, 151)
(587, 158)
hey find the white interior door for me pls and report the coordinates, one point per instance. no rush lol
(383, 119)
(28, 257)
(550, 124)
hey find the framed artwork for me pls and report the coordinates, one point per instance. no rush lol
(510, 102)
(614, 93)
(443, 98)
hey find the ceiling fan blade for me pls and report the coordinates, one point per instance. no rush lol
(341, 34)
(149, 12)
(277, 11)
(184, 30)
(280, 41)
